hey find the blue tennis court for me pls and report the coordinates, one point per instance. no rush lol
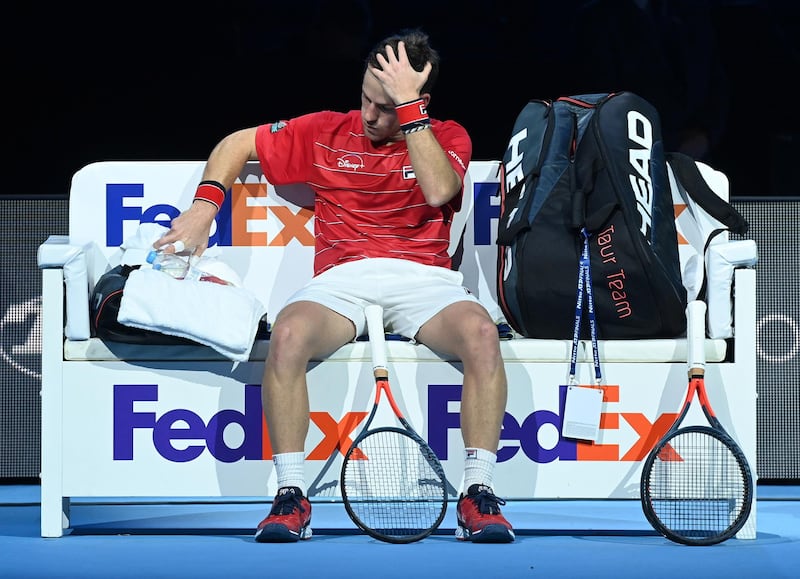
(555, 538)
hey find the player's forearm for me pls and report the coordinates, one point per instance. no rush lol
(229, 156)
(439, 182)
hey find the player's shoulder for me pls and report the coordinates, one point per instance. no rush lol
(323, 118)
(449, 127)
(336, 117)
(447, 124)
(451, 133)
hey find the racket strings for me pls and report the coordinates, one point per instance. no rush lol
(394, 489)
(698, 488)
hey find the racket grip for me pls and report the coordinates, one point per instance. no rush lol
(696, 334)
(377, 336)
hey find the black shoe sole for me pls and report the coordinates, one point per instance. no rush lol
(276, 534)
(492, 534)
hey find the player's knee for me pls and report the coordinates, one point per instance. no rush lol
(483, 329)
(289, 343)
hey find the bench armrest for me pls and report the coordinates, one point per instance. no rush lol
(723, 259)
(80, 263)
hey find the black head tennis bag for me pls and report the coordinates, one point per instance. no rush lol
(104, 305)
(105, 302)
(596, 162)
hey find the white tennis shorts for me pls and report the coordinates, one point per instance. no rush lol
(411, 293)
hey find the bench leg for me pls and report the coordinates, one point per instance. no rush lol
(54, 506)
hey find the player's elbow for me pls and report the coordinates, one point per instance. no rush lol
(438, 201)
(441, 193)
(240, 144)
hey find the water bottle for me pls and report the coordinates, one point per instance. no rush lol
(171, 264)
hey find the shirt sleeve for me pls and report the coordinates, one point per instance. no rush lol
(283, 149)
(457, 145)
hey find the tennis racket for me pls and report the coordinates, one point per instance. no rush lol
(696, 486)
(393, 485)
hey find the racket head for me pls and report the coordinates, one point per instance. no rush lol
(696, 486)
(393, 485)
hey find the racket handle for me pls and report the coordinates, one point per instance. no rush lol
(696, 335)
(377, 338)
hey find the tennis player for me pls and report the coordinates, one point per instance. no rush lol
(387, 180)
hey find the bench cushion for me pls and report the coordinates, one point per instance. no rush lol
(514, 350)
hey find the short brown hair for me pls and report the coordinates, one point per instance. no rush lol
(419, 53)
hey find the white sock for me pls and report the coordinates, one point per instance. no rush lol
(478, 467)
(290, 470)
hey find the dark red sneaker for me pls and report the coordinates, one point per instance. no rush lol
(289, 519)
(480, 519)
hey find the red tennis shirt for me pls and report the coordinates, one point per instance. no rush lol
(367, 199)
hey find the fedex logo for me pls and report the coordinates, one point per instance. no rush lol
(486, 212)
(181, 435)
(180, 424)
(248, 217)
(525, 434)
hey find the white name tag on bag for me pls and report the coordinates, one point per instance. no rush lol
(582, 411)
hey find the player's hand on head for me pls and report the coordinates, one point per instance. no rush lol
(399, 79)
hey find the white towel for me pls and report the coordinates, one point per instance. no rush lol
(136, 247)
(223, 317)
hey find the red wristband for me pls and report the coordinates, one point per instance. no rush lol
(411, 112)
(211, 191)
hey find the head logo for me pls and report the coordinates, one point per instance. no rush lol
(640, 132)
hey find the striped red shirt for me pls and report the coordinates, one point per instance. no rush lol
(367, 200)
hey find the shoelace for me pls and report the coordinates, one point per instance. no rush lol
(487, 502)
(286, 504)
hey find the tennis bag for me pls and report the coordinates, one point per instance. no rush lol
(597, 162)
(104, 304)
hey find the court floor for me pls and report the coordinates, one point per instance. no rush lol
(201, 538)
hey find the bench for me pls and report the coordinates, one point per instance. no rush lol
(121, 420)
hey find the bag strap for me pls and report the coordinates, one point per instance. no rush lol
(585, 288)
(688, 174)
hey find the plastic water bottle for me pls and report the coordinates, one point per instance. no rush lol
(171, 264)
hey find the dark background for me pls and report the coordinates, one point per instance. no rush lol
(89, 82)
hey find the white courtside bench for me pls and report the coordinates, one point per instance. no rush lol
(183, 421)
